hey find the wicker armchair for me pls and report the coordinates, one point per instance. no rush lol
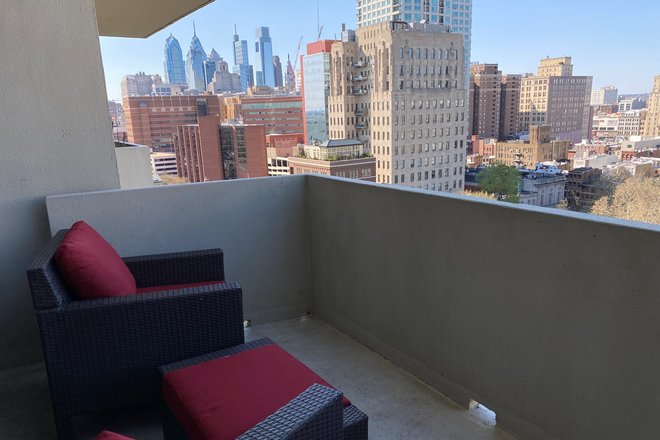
(105, 353)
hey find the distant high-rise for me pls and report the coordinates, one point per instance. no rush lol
(211, 65)
(652, 126)
(605, 96)
(316, 90)
(494, 102)
(557, 98)
(175, 69)
(139, 84)
(457, 15)
(195, 69)
(264, 49)
(242, 65)
(277, 67)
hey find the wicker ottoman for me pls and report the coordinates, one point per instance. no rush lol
(254, 390)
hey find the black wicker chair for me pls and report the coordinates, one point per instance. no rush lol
(309, 410)
(105, 353)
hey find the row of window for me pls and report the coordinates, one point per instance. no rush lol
(453, 53)
(421, 133)
(426, 69)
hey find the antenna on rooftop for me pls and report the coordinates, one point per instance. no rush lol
(318, 19)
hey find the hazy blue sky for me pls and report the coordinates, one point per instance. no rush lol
(615, 42)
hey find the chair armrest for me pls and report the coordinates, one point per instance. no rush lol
(215, 355)
(177, 268)
(316, 413)
(115, 345)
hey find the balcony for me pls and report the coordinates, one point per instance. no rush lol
(359, 126)
(421, 301)
(359, 112)
(555, 346)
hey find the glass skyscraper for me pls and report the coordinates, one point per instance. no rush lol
(242, 62)
(457, 14)
(175, 72)
(195, 69)
(264, 49)
(316, 84)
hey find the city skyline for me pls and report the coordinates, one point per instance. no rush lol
(516, 47)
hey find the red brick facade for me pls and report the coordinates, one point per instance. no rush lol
(362, 169)
(152, 120)
(208, 151)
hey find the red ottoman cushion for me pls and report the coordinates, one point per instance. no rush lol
(176, 286)
(91, 266)
(223, 398)
(107, 435)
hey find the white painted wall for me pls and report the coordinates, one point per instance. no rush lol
(55, 137)
(560, 343)
(260, 224)
(134, 166)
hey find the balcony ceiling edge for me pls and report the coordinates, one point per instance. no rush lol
(141, 18)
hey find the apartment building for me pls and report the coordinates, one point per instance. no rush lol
(152, 120)
(607, 95)
(652, 123)
(399, 88)
(209, 151)
(280, 114)
(556, 98)
(494, 102)
(539, 148)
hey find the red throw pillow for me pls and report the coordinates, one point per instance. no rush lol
(91, 266)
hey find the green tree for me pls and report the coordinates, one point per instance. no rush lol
(502, 181)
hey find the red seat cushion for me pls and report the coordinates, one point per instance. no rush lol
(176, 286)
(91, 266)
(223, 398)
(107, 435)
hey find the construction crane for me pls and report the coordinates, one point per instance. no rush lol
(292, 69)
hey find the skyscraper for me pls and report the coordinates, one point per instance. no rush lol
(457, 14)
(213, 60)
(264, 49)
(195, 70)
(556, 98)
(652, 127)
(277, 68)
(494, 102)
(400, 89)
(175, 71)
(316, 89)
(242, 62)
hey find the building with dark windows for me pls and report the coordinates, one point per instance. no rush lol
(316, 89)
(175, 69)
(209, 151)
(264, 49)
(280, 114)
(277, 68)
(152, 120)
(195, 64)
(242, 65)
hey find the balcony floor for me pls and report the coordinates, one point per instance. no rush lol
(399, 405)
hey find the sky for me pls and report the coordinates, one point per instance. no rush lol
(615, 43)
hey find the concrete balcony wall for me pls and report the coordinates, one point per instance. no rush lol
(548, 318)
(260, 224)
(55, 138)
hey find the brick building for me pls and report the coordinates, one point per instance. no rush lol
(152, 120)
(539, 148)
(584, 186)
(209, 151)
(494, 102)
(361, 169)
(280, 114)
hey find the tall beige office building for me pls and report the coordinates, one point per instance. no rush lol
(400, 88)
(652, 123)
(556, 98)
(494, 102)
